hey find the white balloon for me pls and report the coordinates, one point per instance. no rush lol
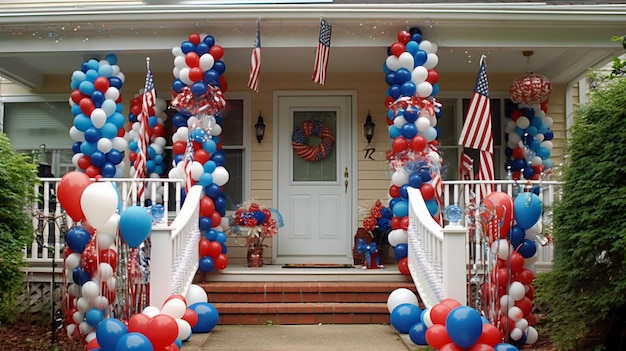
(177, 51)
(424, 89)
(98, 117)
(398, 236)
(197, 170)
(517, 291)
(72, 261)
(426, 316)
(101, 302)
(90, 336)
(206, 61)
(399, 177)
(115, 69)
(184, 76)
(82, 305)
(76, 134)
(151, 311)
(523, 122)
(220, 175)
(179, 61)
(70, 328)
(422, 124)
(506, 302)
(176, 72)
(75, 159)
(393, 62)
(90, 290)
(401, 296)
(175, 173)
(399, 121)
(99, 202)
(175, 308)
(426, 45)
(522, 324)
(515, 313)
(547, 144)
(85, 328)
(430, 134)
(531, 335)
(105, 145)
(431, 61)
(419, 74)
(105, 271)
(77, 317)
(121, 76)
(160, 141)
(502, 248)
(195, 293)
(406, 60)
(216, 129)
(516, 334)
(120, 143)
(109, 106)
(548, 121)
(73, 289)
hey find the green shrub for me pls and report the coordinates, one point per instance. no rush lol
(17, 178)
(587, 285)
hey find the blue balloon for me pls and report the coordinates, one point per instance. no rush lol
(409, 130)
(395, 91)
(115, 156)
(98, 158)
(115, 82)
(211, 234)
(109, 130)
(390, 78)
(411, 114)
(394, 132)
(178, 85)
(93, 317)
(133, 341)
(202, 48)
(528, 248)
(402, 75)
(111, 59)
(420, 57)
(415, 180)
(412, 47)
(108, 170)
(80, 275)
(404, 316)
(464, 326)
(212, 190)
(77, 238)
(92, 135)
(135, 225)
(400, 251)
(211, 76)
(109, 332)
(219, 66)
(527, 209)
(199, 88)
(221, 238)
(82, 122)
(117, 119)
(516, 236)
(433, 206)
(206, 264)
(187, 47)
(417, 333)
(218, 157)
(76, 147)
(401, 209)
(86, 87)
(505, 347)
(97, 97)
(205, 223)
(207, 317)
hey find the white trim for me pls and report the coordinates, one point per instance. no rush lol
(247, 122)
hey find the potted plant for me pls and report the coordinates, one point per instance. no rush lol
(255, 222)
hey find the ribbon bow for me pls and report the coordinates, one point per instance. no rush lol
(367, 249)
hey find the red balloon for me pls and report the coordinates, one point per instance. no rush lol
(192, 59)
(481, 347)
(518, 153)
(404, 223)
(399, 144)
(191, 317)
(194, 38)
(437, 336)
(526, 276)
(86, 106)
(132, 156)
(92, 345)
(439, 313)
(162, 330)
(108, 256)
(395, 222)
(388, 101)
(138, 323)
(490, 335)
(404, 37)
(216, 219)
(201, 156)
(220, 262)
(92, 171)
(215, 249)
(196, 74)
(427, 190)
(525, 305)
(403, 266)
(216, 51)
(203, 247)
(178, 147)
(158, 130)
(207, 207)
(418, 143)
(451, 347)
(507, 324)
(397, 49)
(530, 292)
(101, 84)
(452, 303)
(515, 114)
(433, 76)
(394, 191)
(135, 108)
(223, 84)
(84, 162)
(70, 190)
(516, 261)
(76, 96)
(501, 204)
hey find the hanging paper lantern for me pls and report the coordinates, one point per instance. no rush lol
(530, 89)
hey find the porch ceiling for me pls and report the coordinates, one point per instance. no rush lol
(566, 39)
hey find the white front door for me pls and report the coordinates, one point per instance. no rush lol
(315, 197)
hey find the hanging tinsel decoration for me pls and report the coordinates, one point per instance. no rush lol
(530, 89)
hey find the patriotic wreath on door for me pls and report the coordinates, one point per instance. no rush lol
(300, 140)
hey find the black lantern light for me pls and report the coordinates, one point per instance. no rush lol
(368, 128)
(260, 128)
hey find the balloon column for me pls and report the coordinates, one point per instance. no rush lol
(527, 131)
(512, 228)
(92, 265)
(412, 120)
(198, 87)
(98, 130)
(155, 166)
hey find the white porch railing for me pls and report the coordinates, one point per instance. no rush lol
(174, 252)
(439, 258)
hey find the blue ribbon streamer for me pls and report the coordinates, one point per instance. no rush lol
(367, 249)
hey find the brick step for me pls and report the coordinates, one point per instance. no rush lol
(349, 302)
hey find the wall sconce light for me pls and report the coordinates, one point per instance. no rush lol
(368, 128)
(260, 128)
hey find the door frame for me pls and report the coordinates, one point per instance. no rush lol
(353, 153)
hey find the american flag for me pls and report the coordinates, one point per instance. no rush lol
(476, 133)
(187, 165)
(466, 167)
(322, 54)
(148, 102)
(255, 60)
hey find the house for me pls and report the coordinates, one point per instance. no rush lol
(44, 42)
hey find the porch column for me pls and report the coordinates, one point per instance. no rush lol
(454, 263)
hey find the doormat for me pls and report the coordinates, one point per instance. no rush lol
(317, 265)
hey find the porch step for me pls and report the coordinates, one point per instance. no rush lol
(304, 302)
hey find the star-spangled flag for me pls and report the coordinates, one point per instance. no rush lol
(188, 164)
(255, 60)
(148, 102)
(477, 133)
(322, 54)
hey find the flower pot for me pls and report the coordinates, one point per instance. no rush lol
(255, 256)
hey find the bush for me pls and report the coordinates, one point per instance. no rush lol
(17, 178)
(587, 285)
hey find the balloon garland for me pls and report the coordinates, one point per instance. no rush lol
(198, 90)
(98, 130)
(412, 112)
(300, 140)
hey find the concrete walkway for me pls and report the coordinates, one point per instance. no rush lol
(326, 337)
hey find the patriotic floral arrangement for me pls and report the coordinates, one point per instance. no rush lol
(379, 217)
(255, 222)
